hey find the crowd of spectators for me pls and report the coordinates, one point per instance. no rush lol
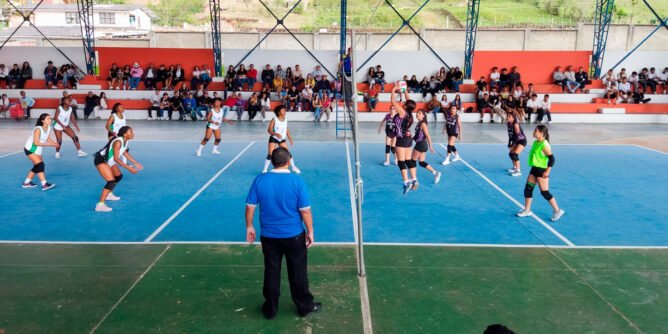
(625, 88)
(128, 77)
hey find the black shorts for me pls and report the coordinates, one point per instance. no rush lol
(537, 171)
(99, 160)
(390, 134)
(404, 142)
(276, 141)
(27, 152)
(453, 134)
(522, 142)
(422, 146)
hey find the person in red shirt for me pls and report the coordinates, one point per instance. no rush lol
(229, 103)
(252, 77)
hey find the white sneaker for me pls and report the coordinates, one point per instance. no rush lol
(149, 119)
(386, 163)
(112, 197)
(396, 163)
(57, 155)
(516, 173)
(198, 153)
(445, 162)
(557, 215)
(457, 158)
(215, 152)
(437, 177)
(512, 170)
(101, 207)
(264, 171)
(523, 213)
(296, 170)
(82, 153)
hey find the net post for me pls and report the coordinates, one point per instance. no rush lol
(359, 183)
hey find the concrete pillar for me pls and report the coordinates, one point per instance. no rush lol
(420, 43)
(525, 43)
(263, 45)
(208, 44)
(316, 41)
(578, 34)
(152, 39)
(629, 38)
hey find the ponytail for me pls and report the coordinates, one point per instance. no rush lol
(40, 120)
(543, 129)
(114, 109)
(123, 130)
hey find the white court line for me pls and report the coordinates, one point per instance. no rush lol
(365, 305)
(8, 154)
(650, 149)
(193, 197)
(130, 289)
(538, 219)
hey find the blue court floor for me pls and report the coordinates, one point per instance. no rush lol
(614, 196)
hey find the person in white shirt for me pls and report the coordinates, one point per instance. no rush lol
(4, 73)
(307, 96)
(297, 73)
(624, 88)
(559, 79)
(533, 106)
(101, 105)
(4, 104)
(609, 79)
(663, 80)
(494, 78)
(155, 105)
(149, 77)
(317, 73)
(633, 80)
(622, 74)
(545, 107)
(654, 77)
(570, 80)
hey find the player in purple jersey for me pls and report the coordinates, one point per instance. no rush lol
(422, 144)
(517, 141)
(390, 135)
(403, 121)
(453, 127)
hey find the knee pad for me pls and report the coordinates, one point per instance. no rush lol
(268, 157)
(528, 190)
(205, 140)
(449, 148)
(110, 185)
(411, 163)
(514, 156)
(423, 164)
(38, 168)
(387, 149)
(118, 178)
(453, 148)
(393, 149)
(546, 194)
(402, 164)
(75, 139)
(216, 142)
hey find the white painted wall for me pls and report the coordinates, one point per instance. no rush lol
(636, 61)
(39, 56)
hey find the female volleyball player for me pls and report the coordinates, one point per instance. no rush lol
(214, 119)
(116, 120)
(517, 141)
(33, 149)
(107, 161)
(63, 118)
(390, 135)
(403, 121)
(453, 127)
(541, 161)
(278, 132)
(422, 143)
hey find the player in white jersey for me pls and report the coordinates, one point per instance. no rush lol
(116, 120)
(214, 119)
(107, 161)
(278, 132)
(63, 118)
(33, 149)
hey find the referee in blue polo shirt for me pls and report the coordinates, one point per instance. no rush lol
(285, 209)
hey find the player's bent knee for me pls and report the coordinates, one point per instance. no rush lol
(387, 148)
(38, 168)
(423, 164)
(546, 194)
(217, 141)
(110, 185)
(528, 190)
(118, 178)
(402, 164)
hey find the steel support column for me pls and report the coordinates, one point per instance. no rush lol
(472, 14)
(87, 25)
(215, 10)
(343, 26)
(602, 18)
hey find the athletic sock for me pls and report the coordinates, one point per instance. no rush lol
(200, 147)
(44, 182)
(292, 163)
(27, 181)
(267, 162)
(215, 147)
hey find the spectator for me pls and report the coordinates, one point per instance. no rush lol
(26, 103)
(176, 104)
(530, 91)
(609, 79)
(297, 73)
(190, 106)
(252, 77)
(494, 77)
(434, 106)
(559, 78)
(278, 83)
(425, 87)
(504, 79)
(50, 73)
(293, 98)
(306, 98)
(653, 79)
(183, 89)
(240, 106)
(440, 77)
(310, 81)
(242, 76)
(323, 86)
(533, 106)
(621, 74)
(205, 76)
(514, 77)
(4, 74)
(639, 97)
(317, 108)
(196, 79)
(112, 80)
(663, 80)
(545, 108)
(4, 104)
(317, 73)
(624, 91)
(268, 77)
(101, 105)
(265, 101)
(326, 107)
(162, 74)
(155, 105)
(372, 97)
(457, 102)
(633, 79)
(170, 78)
(127, 74)
(135, 76)
(179, 75)
(520, 108)
(165, 105)
(458, 79)
(204, 103)
(480, 84)
(150, 76)
(289, 75)
(485, 107)
(371, 75)
(517, 92)
(643, 80)
(229, 104)
(571, 84)
(280, 72)
(611, 94)
(254, 105)
(413, 85)
(26, 74)
(380, 78)
(582, 78)
(14, 76)
(90, 102)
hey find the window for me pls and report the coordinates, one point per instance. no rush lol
(133, 20)
(107, 18)
(72, 18)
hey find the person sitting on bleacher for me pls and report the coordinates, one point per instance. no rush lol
(240, 106)
(611, 94)
(317, 73)
(413, 85)
(195, 80)
(205, 75)
(494, 78)
(307, 97)
(165, 105)
(434, 107)
(292, 98)
(111, 77)
(179, 74)
(514, 77)
(14, 76)
(624, 89)
(639, 97)
(663, 80)
(323, 86)
(458, 79)
(27, 103)
(634, 80)
(279, 72)
(310, 81)
(26, 74)
(101, 105)
(50, 73)
(379, 78)
(609, 79)
(155, 105)
(268, 77)
(480, 84)
(533, 105)
(504, 79)
(545, 108)
(644, 81)
(653, 79)
(517, 92)
(190, 107)
(582, 78)
(4, 73)
(571, 84)
(150, 75)
(559, 78)
(176, 104)
(529, 91)
(161, 76)
(183, 89)
(4, 104)
(90, 102)
(521, 107)
(277, 84)
(204, 102)
(622, 74)
(251, 77)
(485, 107)
(127, 74)
(297, 77)
(135, 76)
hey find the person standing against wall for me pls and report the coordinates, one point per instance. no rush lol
(285, 209)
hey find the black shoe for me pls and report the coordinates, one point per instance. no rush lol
(317, 306)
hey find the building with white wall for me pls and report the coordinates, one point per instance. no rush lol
(106, 17)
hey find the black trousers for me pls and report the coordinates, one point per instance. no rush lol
(294, 250)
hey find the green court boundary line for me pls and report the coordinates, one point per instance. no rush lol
(199, 192)
(127, 292)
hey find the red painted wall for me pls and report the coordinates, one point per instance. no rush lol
(535, 66)
(188, 58)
